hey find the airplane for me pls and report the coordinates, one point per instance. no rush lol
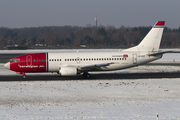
(72, 64)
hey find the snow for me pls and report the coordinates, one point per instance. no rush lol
(98, 99)
(170, 57)
(95, 99)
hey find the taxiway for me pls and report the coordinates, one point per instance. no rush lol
(102, 76)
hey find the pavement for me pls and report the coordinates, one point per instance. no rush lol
(102, 76)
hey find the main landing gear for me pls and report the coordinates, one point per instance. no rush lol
(86, 75)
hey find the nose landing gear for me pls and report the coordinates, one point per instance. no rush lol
(22, 73)
(24, 76)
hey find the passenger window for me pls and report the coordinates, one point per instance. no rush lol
(34, 60)
(99, 58)
(117, 58)
(57, 59)
(49, 59)
(114, 58)
(104, 58)
(72, 59)
(86, 59)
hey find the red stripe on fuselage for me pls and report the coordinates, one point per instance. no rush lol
(29, 63)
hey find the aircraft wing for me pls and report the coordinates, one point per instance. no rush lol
(159, 53)
(94, 66)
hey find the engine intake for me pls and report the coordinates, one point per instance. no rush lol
(67, 71)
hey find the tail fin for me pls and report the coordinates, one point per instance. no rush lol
(152, 40)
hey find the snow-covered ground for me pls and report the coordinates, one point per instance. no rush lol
(98, 99)
(138, 99)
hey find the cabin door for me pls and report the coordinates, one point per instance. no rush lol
(134, 58)
(29, 60)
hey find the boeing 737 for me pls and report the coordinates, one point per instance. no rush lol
(72, 64)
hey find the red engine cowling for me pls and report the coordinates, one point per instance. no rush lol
(67, 71)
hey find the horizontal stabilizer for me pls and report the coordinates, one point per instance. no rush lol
(159, 53)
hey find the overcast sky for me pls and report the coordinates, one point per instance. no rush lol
(35, 13)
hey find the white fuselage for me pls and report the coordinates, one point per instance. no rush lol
(121, 60)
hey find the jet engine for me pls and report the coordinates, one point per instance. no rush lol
(68, 71)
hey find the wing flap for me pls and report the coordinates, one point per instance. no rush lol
(94, 66)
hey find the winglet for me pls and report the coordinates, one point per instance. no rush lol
(160, 24)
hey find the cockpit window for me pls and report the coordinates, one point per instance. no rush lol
(15, 60)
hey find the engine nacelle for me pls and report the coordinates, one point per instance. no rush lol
(67, 71)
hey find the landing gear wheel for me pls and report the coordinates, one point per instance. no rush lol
(24, 76)
(86, 75)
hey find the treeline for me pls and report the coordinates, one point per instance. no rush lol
(69, 37)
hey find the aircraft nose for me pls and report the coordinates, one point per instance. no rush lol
(7, 65)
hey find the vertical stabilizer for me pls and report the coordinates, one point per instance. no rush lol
(151, 41)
